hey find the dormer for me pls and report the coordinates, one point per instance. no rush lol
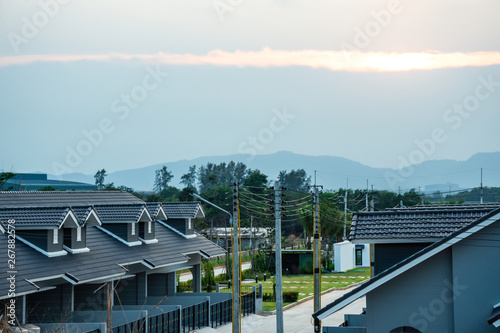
(123, 222)
(75, 239)
(147, 232)
(41, 228)
(181, 216)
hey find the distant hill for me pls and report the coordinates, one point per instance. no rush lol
(332, 171)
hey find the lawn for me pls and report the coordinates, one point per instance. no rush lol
(304, 284)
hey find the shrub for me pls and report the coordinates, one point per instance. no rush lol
(268, 297)
(290, 296)
(306, 269)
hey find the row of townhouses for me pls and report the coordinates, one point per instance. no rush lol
(89, 261)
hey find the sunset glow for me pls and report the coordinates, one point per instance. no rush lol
(332, 60)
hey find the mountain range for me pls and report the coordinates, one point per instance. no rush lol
(331, 171)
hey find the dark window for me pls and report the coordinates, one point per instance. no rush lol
(359, 257)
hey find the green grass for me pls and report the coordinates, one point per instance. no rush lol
(304, 284)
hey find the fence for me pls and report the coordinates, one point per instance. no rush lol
(165, 323)
(220, 313)
(195, 316)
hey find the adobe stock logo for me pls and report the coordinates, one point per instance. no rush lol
(454, 118)
(372, 29)
(32, 26)
(121, 108)
(254, 144)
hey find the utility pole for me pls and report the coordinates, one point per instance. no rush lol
(367, 188)
(235, 231)
(345, 210)
(481, 186)
(317, 259)
(279, 281)
(372, 204)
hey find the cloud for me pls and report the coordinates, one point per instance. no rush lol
(353, 61)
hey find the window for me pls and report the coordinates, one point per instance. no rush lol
(149, 227)
(359, 257)
(79, 234)
(55, 239)
(189, 224)
(133, 228)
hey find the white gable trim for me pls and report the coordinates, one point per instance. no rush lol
(141, 217)
(409, 265)
(161, 215)
(118, 238)
(70, 214)
(94, 214)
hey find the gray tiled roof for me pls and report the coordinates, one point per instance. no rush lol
(154, 208)
(34, 217)
(421, 222)
(82, 213)
(121, 213)
(103, 259)
(65, 198)
(188, 209)
(405, 264)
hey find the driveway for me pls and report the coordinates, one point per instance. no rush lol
(296, 319)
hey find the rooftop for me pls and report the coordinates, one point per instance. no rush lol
(424, 223)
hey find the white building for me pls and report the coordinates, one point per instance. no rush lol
(348, 256)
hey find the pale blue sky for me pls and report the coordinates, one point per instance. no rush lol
(58, 81)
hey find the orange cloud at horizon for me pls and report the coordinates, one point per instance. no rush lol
(354, 61)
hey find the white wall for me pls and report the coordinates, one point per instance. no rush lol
(345, 256)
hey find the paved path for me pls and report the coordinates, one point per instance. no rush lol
(217, 271)
(296, 319)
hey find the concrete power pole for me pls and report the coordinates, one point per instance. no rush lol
(236, 262)
(279, 278)
(317, 260)
(481, 186)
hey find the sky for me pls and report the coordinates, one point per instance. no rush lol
(122, 84)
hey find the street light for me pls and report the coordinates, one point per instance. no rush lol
(236, 265)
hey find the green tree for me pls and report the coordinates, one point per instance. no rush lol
(162, 178)
(295, 180)
(256, 180)
(46, 188)
(4, 177)
(99, 177)
(186, 194)
(189, 179)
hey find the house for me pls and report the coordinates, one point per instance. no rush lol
(448, 286)
(36, 181)
(75, 256)
(395, 234)
(348, 255)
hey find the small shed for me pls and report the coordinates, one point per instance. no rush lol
(292, 260)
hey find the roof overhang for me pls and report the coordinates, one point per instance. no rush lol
(495, 316)
(407, 264)
(395, 240)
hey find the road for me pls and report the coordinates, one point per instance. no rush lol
(296, 319)
(217, 271)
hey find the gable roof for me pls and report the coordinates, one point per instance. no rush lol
(107, 259)
(183, 210)
(38, 217)
(156, 210)
(408, 263)
(129, 213)
(65, 198)
(420, 223)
